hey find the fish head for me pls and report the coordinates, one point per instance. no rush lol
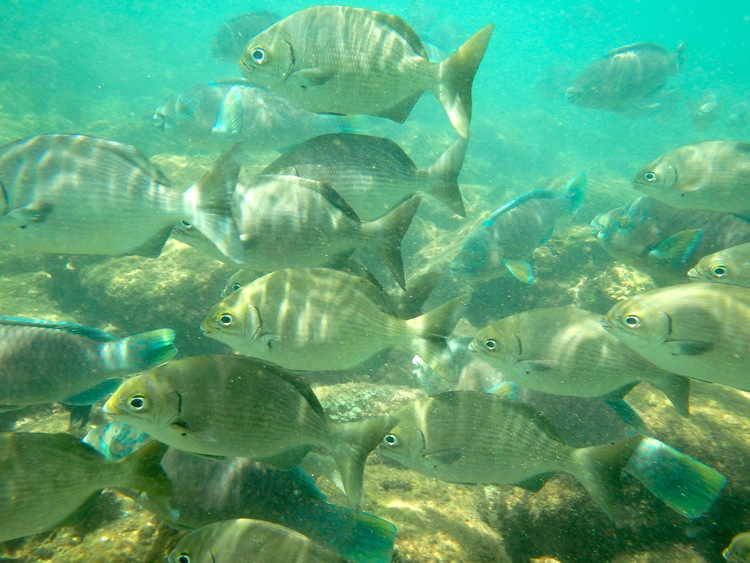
(497, 346)
(234, 319)
(658, 176)
(268, 58)
(713, 268)
(405, 443)
(639, 322)
(146, 401)
(195, 547)
(164, 117)
(474, 256)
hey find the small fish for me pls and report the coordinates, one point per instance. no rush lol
(731, 266)
(230, 39)
(711, 175)
(694, 330)
(738, 117)
(565, 351)
(72, 194)
(49, 361)
(360, 62)
(249, 540)
(738, 550)
(473, 437)
(705, 112)
(315, 319)
(626, 78)
(507, 238)
(242, 407)
(374, 174)
(47, 477)
(293, 222)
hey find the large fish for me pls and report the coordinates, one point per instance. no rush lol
(222, 111)
(243, 407)
(700, 331)
(72, 194)
(231, 37)
(318, 319)
(473, 437)
(508, 237)
(565, 351)
(343, 60)
(47, 477)
(292, 222)
(731, 265)
(47, 361)
(626, 78)
(711, 175)
(662, 240)
(243, 539)
(373, 174)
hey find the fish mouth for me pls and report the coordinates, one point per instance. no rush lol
(110, 408)
(694, 275)
(597, 229)
(244, 67)
(473, 347)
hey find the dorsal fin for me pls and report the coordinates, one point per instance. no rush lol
(72, 328)
(528, 196)
(404, 30)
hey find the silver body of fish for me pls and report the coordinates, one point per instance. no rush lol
(731, 266)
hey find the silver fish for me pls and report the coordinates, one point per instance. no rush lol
(731, 265)
(72, 194)
(232, 36)
(343, 60)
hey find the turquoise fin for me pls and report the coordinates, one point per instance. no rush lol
(80, 330)
(678, 248)
(94, 394)
(506, 389)
(628, 416)
(574, 192)
(521, 270)
(371, 540)
(229, 118)
(141, 351)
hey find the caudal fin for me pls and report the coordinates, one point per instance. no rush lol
(430, 333)
(443, 177)
(600, 469)
(209, 205)
(142, 472)
(574, 191)
(141, 351)
(370, 540)
(456, 75)
(383, 236)
(355, 442)
(686, 485)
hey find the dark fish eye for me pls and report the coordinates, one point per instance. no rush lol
(391, 440)
(226, 319)
(490, 344)
(183, 558)
(186, 225)
(719, 270)
(138, 403)
(236, 286)
(258, 54)
(632, 321)
(650, 176)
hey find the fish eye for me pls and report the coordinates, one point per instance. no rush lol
(650, 176)
(719, 270)
(183, 558)
(226, 319)
(258, 54)
(391, 440)
(186, 225)
(632, 321)
(138, 403)
(490, 343)
(236, 286)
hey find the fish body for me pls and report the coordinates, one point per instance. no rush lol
(231, 37)
(473, 437)
(241, 407)
(508, 237)
(566, 351)
(47, 477)
(662, 240)
(373, 174)
(700, 331)
(705, 112)
(626, 77)
(47, 361)
(738, 116)
(738, 550)
(288, 222)
(318, 319)
(730, 266)
(710, 175)
(73, 194)
(245, 539)
(343, 60)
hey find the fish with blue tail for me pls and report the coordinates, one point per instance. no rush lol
(74, 194)
(508, 237)
(49, 361)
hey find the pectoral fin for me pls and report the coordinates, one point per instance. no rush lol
(308, 77)
(534, 484)
(521, 270)
(537, 365)
(184, 429)
(445, 457)
(22, 217)
(689, 347)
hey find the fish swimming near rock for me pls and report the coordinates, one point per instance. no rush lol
(710, 175)
(245, 539)
(664, 241)
(731, 266)
(343, 60)
(73, 194)
(700, 330)
(242, 407)
(508, 237)
(626, 78)
(231, 37)
(566, 351)
(47, 477)
(316, 319)
(738, 550)
(288, 222)
(218, 112)
(48, 361)
(374, 174)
